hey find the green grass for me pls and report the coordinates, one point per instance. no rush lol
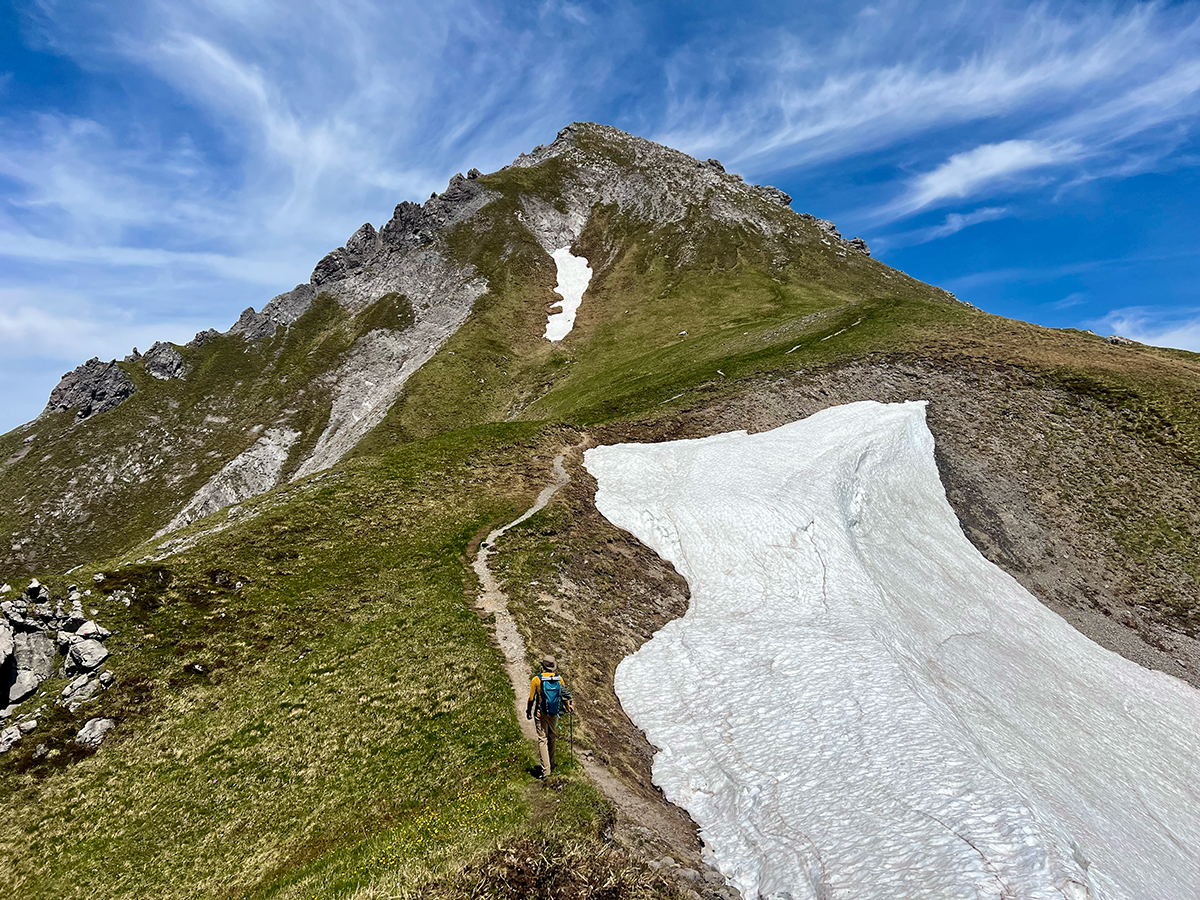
(339, 719)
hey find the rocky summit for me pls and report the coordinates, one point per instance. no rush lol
(242, 648)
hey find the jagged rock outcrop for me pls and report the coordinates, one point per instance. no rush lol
(283, 310)
(27, 650)
(204, 337)
(164, 362)
(90, 389)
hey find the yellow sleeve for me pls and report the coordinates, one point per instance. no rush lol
(534, 684)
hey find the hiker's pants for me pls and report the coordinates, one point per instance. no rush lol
(547, 728)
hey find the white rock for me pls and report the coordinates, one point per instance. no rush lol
(86, 655)
(8, 737)
(23, 686)
(90, 629)
(28, 726)
(75, 685)
(93, 732)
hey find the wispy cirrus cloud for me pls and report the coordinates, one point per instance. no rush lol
(965, 174)
(951, 224)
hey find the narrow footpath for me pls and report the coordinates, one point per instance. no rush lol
(492, 600)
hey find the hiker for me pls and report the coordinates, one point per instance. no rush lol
(551, 697)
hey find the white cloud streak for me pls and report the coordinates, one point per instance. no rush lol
(965, 174)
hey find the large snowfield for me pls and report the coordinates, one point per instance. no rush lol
(859, 705)
(574, 275)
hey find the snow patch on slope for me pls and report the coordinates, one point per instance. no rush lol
(859, 705)
(574, 274)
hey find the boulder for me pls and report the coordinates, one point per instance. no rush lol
(89, 690)
(1119, 341)
(28, 726)
(5, 588)
(75, 620)
(65, 640)
(860, 245)
(90, 629)
(6, 640)
(8, 737)
(34, 652)
(164, 362)
(94, 730)
(106, 679)
(74, 686)
(85, 656)
(37, 592)
(24, 685)
(32, 662)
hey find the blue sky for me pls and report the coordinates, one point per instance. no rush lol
(164, 165)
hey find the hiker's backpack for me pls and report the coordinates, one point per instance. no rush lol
(551, 694)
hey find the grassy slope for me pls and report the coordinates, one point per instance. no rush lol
(339, 719)
(257, 776)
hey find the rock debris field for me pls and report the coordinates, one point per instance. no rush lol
(40, 639)
(859, 705)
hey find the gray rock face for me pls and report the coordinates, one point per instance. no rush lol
(1119, 341)
(164, 362)
(85, 655)
(6, 640)
(248, 474)
(91, 389)
(283, 310)
(34, 653)
(860, 245)
(204, 337)
(94, 730)
(828, 228)
(775, 195)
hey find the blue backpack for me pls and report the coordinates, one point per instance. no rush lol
(551, 699)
